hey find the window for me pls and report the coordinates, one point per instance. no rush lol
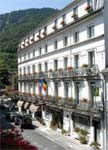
(24, 56)
(46, 48)
(91, 58)
(55, 65)
(92, 97)
(20, 71)
(33, 53)
(46, 66)
(55, 45)
(45, 29)
(28, 70)
(76, 61)
(63, 22)
(65, 40)
(75, 10)
(77, 90)
(90, 2)
(24, 70)
(66, 90)
(76, 37)
(65, 62)
(91, 31)
(29, 55)
(33, 68)
(39, 67)
(56, 89)
(55, 22)
(40, 51)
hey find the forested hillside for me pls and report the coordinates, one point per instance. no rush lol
(15, 25)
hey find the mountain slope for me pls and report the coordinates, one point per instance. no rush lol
(15, 25)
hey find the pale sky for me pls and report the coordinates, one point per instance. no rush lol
(12, 5)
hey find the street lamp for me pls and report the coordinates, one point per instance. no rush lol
(105, 108)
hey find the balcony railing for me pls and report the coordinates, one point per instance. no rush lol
(70, 103)
(74, 72)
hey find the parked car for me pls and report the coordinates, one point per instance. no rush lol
(11, 116)
(18, 120)
(26, 122)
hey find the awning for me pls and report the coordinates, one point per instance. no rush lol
(33, 108)
(20, 103)
(26, 105)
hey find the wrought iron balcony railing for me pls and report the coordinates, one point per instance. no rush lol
(74, 72)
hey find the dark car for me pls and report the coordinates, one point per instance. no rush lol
(26, 122)
(18, 120)
(11, 116)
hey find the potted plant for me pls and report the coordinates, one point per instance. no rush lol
(75, 16)
(44, 33)
(60, 69)
(53, 125)
(69, 68)
(84, 65)
(50, 70)
(54, 27)
(94, 145)
(76, 133)
(83, 140)
(77, 129)
(89, 8)
(63, 131)
(62, 22)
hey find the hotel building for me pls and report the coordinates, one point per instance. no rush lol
(67, 54)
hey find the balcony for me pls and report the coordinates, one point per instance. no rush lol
(81, 72)
(75, 72)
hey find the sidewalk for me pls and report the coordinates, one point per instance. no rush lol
(66, 141)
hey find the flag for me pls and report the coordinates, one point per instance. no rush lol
(40, 85)
(45, 85)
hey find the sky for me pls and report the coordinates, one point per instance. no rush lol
(12, 5)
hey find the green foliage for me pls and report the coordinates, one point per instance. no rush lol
(77, 129)
(63, 131)
(83, 132)
(83, 140)
(15, 25)
(94, 143)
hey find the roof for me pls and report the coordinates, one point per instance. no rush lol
(52, 17)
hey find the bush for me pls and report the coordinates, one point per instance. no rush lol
(53, 124)
(83, 140)
(12, 140)
(77, 129)
(83, 132)
(94, 143)
(63, 131)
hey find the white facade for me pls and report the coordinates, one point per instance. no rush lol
(68, 52)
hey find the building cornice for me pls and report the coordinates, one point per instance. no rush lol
(80, 20)
(64, 49)
(62, 11)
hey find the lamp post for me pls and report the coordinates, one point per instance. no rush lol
(105, 109)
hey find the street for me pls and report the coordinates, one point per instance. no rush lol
(42, 142)
(32, 136)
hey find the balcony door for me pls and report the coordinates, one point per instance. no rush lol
(91, 58)
(77, 92)
(76, 61)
